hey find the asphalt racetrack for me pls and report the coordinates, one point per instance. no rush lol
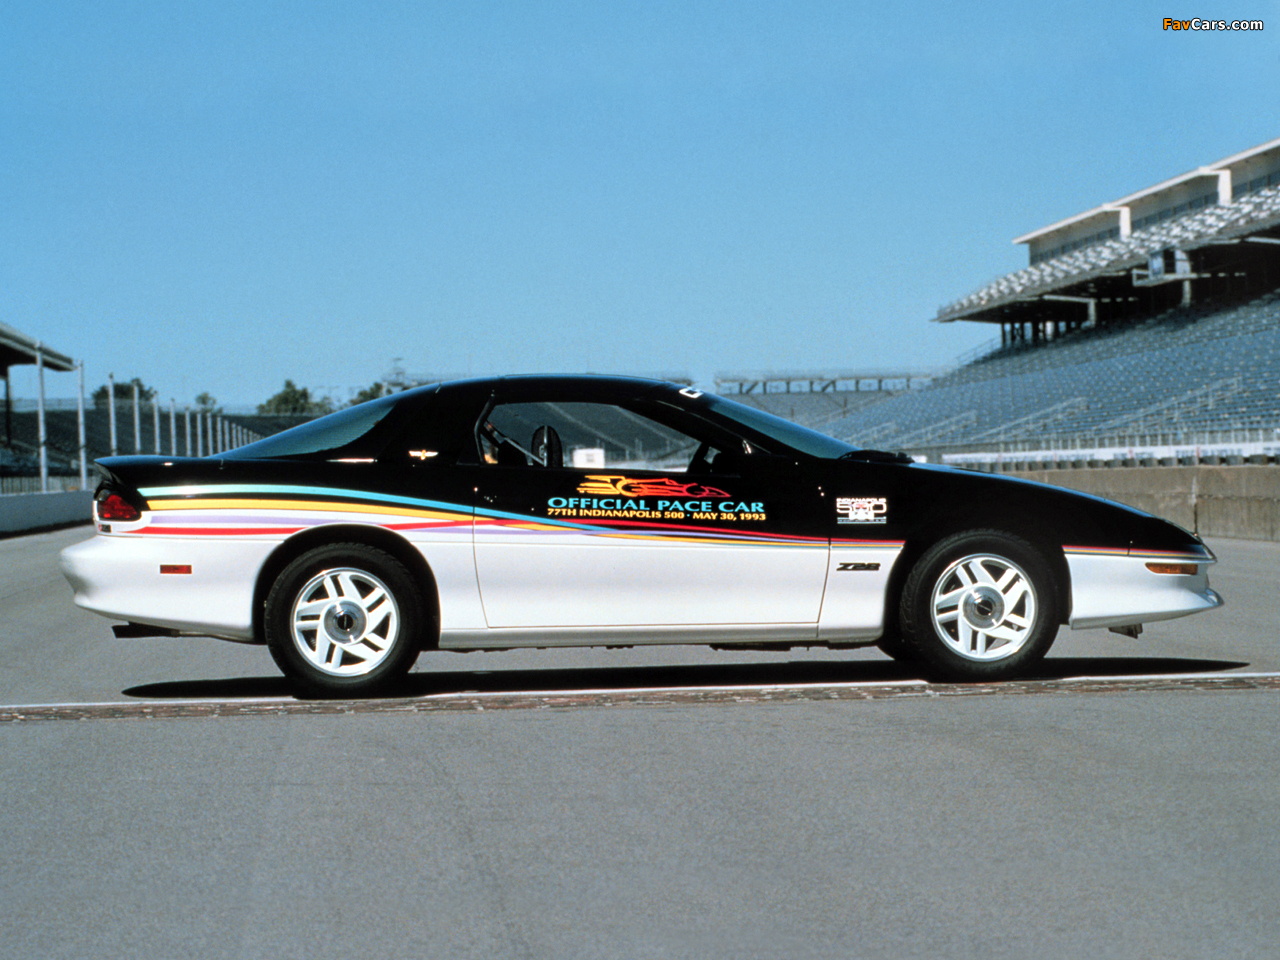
(169, 798)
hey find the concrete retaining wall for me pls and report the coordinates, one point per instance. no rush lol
(1241, 502)
(33, 511)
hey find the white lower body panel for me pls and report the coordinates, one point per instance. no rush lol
(119, 577)
(552, 581)
(853, 606)
(453, 566)
(1115, 591)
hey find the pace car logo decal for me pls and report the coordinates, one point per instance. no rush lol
(619, 508)
(616, 497)
(611, 485)
(861, 509)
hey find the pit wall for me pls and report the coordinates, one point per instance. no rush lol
(1241, 502)
(37, 511)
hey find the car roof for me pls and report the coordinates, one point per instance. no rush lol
(581, 384)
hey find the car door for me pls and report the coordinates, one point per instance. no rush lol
(595, 514)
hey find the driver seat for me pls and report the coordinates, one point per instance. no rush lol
(546, 446)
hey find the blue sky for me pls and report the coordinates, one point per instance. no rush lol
(219, 196)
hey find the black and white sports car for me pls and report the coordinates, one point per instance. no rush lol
(548, 511)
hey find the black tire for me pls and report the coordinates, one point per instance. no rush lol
(891, 645)
(1005, 611)
(368, 617)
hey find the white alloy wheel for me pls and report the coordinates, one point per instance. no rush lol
(345, 619)
(344, 622)
(984, 607)
(977, 606)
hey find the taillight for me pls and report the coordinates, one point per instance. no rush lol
(115, 507)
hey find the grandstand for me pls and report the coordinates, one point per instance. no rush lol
(1211, 232)
(1146, 329)
(1185, 376)
(818, 399)
(161, 429)
(16, 349)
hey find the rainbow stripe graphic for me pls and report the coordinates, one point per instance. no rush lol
(264, 510)
(1196, 554)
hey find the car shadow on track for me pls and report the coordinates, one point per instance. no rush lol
(707, 676)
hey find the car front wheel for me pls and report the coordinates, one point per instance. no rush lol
(344, 619)
(979, 606)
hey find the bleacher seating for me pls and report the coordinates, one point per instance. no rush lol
(817, 409)
(1198, 368)
(1184, 232)
(62, 433)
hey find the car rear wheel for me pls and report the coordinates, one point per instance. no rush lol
(979, 606)
(891, 645)
(344, 620)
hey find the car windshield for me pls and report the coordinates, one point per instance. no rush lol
(327, 434)
(791, 434)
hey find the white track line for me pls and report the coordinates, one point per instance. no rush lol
(464, 695)
(605, 691)
(1133, 677)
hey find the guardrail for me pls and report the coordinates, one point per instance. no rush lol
(1167, 455)
(1253, 444)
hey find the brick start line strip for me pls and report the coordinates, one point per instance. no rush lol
(649, 697)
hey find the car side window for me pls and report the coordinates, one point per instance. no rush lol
(586, 436)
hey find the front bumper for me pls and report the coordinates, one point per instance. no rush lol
(1119, 591)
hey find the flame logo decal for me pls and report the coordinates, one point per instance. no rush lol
(616, 486)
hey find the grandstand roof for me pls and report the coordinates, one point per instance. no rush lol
(17, 348)
(1222, 202)
(1106, 211)
(815, 380)
(1249, 215)
(1213, 170)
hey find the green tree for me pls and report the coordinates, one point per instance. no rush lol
(124, 393)
(379, 389)
(207, 403)
(296, 400)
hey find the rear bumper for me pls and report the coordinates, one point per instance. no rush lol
(1119, 591)
(119, 577)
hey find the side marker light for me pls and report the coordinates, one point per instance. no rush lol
(1185, 569)
(175, 568)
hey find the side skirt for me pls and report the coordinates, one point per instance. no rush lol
(734, 633)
